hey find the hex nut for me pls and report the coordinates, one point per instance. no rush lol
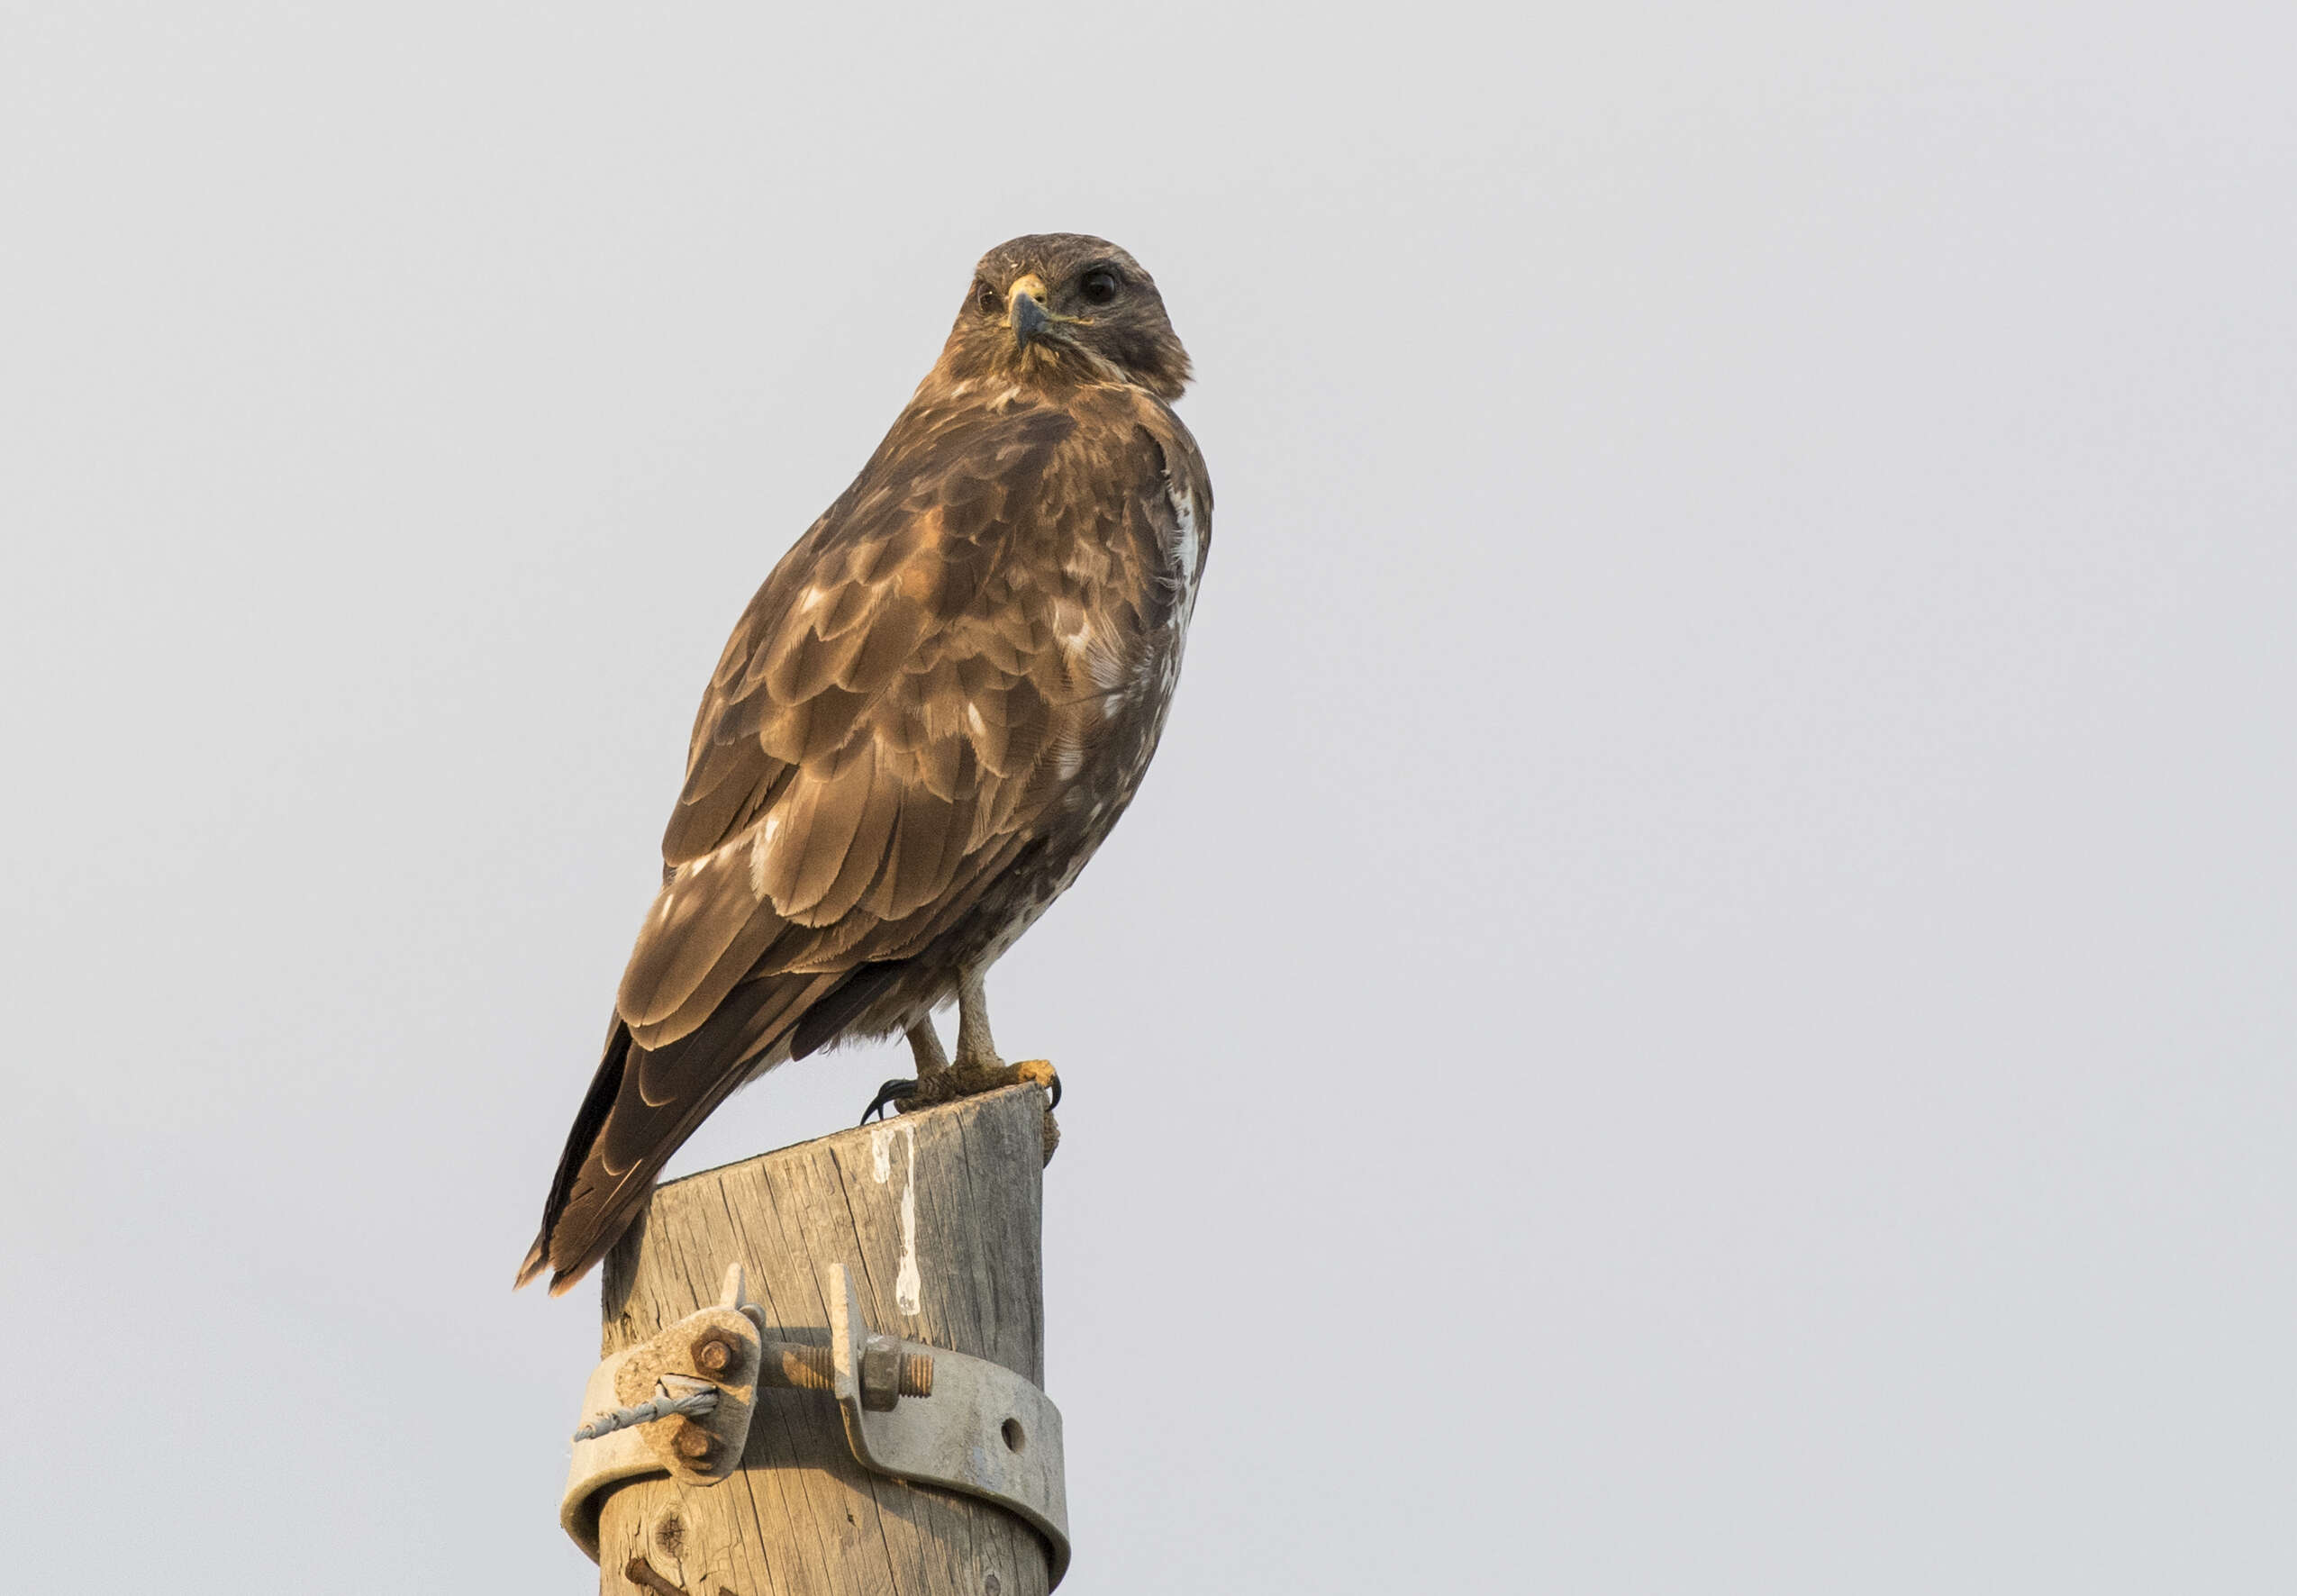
(880, 1372)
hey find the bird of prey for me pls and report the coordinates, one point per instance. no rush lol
(924, 724)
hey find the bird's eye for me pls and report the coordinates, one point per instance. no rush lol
(986, 299)
(1099, 284)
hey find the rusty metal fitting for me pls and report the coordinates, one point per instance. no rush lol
(798, 1366)
(890, 1371)
(714, 1356)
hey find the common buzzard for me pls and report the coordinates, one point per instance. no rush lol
(922, 727)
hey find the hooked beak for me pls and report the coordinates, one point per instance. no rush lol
(1025, 310)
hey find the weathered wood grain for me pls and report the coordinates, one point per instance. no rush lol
(937, 1215)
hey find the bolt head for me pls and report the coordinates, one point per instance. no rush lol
(714, 1356)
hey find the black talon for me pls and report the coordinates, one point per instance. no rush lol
(890, 1095)
(1057, 1093)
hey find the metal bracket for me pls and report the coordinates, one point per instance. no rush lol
(985, 1431)
(913, 1412)
(715, 1350)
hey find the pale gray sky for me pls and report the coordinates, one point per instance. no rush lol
(1729, 824)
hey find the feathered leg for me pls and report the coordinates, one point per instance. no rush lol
(977, 1048)
(925, 1047)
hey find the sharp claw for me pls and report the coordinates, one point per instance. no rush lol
(1038, 1072)
(889, 1095)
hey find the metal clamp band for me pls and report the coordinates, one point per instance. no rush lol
(985, 1431)
(912, 1412)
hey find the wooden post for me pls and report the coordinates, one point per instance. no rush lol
(937, 1216)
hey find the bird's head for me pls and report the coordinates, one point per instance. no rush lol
(1057, 307)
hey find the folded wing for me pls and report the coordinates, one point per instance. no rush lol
(922, 677)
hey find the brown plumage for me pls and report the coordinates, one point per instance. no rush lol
(922, 727)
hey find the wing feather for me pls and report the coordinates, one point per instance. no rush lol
(698, 920)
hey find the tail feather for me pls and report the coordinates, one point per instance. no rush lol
(641, 1106)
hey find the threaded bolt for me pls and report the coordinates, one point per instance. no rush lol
(791, 1365)
(794, 1365)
